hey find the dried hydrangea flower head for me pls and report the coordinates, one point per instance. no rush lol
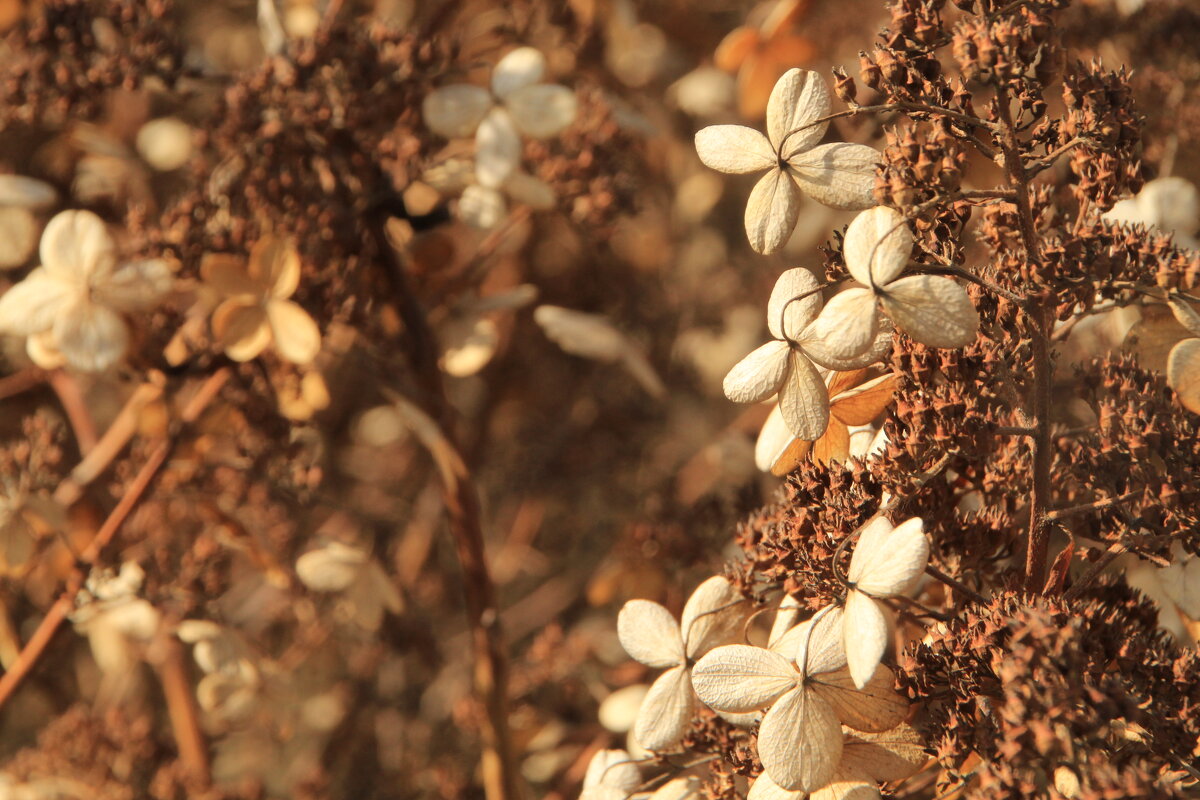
(932, 309)
(714, 615)
(611, 775)
(839, 174)
(1183, 362)
(807, 700)
(852, 401)
(517, 104)
(867, 760)
(257, 312)
(70, 307)
(887, 562)
(785, 365)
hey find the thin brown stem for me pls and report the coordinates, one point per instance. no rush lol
(954, 583)
(181, 707)
(21, 381)
(1084, 508)
(71, 398)
(1106, 558)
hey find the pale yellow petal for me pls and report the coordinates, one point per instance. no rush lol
(240, 325)
(933, 310)
(497, 149)
(91, 337)
(870, 546)
(795, 301)
(819, 647)
(455, 111)
(667, 710)
(136, 285)
(846, 328)
(891, 755)
(1183, 373)
(875, 707)
(734, 149)
(19, 233)
(714, 615)
(804, 399)
(76, 246)
(771, 211)
(800, 97)
(778, 450)
(861, 404)
(29, 193)
(227, 274)
(759, 375)
(865, 633)
(275, 264)
(650, 634)
(612, 768)
(1186, 315)
(740, 678)
(877, 246)
(519, 68)
(895, 565)
(785, 620)
(800, 741)
(42, 349)
(543, 110)
(834, 444)
(297, 337)
(34, 304)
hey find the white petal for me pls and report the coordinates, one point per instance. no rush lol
(667, 710)
(297, 337)
(800, 741)
(33, 305)
(522, 67)
(800, 96)
(481, 207)
(612, 768)
(1183, 372)
(778, 450)
(497, 148)
(785, 619)
(759, 375)
(741, 678)
(865, 633)
(877, 246)
(889, 565)
(27, 193)
(333, 568)
(19, 232)
(42, 349)
(136, 285)
(871, 542)
(819, 646)
(786, 316)
(847, 327)
(91, 337)
(771, 211)
(76, 246)
(766, 789)
(650, 634)
(688, 787)
(803, 399)
(1185, 315)
(847, 790)
(839, 175)
(543, 110)
(455, 111)
(714, 615)
(935, 311)
(735, 149)
(875, 707)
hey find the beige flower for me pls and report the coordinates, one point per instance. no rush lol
(932, 309)
(851, 403)
(70, 307)
(257, 312)
(839, 174)
(611, 775)
(1183, 363)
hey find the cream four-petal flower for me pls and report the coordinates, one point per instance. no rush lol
(838, 174)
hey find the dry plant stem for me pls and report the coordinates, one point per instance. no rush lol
(71, 399)
(50, 623)
(21, 381)
(501, 776)
(1097, 505)
(181, 707)
(954, 583)
(1106, 558)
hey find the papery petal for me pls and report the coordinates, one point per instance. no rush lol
(650, 634)
(275, 264)
(1185, 315)
(839, 175)
(834, 444)
(688, 787)
(519, 68)
(1183, 373)
(846, 328)
(891, 755)
(895, 566)
(455, 111)
(865, 635)
(933, 310)
(76, 246)
(497, 148)
(734, 149)
(240, 325)
(847, 790)
(840, 382)
(803, 399)
(227, 274)
(613, 768)
(766, 789)
(875, 707)
(863, 403)
(819, 646)
(786, 315)
(759, 375)
(34, 304)
(19, 232)
(91, 336)
(785, 620)
(877, 246)
(800, 741)
(136, 285)
(297, 337)
(778, 450)
(481, 207)
(543, 110)
(799, 98)
(771, 211)
(333, 568)
(42, 349)
(741, 678)
(872, 540)
(29, 193)
(714, 615)
(524, 188)
(667, 710)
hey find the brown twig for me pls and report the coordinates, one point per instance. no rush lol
(1106, 558)
(1095, 505)
(71, 399)
(954, 583)
(21, 381)
(181, 707)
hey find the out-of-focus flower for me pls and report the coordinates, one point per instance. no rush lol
(70, 307)
(713, 616)
(165, 143)
(760, 54)
(1169, 204)
(932, 309)
(1183, 362)
(258, 313)
(340, 569)
(851, 403)
(116, 622)
(611, 775)
(839, 174)
(592, 336)
(231, 681)
(517, 104)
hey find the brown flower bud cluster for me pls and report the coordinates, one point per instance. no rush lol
(1101, 113)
